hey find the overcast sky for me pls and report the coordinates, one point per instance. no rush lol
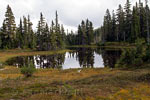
(70, 12)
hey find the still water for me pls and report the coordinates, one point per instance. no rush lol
(79, 58)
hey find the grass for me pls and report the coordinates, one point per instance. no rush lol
(85, 46)
(5, 55)
(89, 84)
(107, 45)
(56, 84)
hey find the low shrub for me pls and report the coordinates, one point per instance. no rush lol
(28, 70)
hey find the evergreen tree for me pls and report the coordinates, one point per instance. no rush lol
(25, 32)
(19, 35)
(128, 17)
(63, 34)
(9, 29)
(59, 39)
(83, 33)
(91, 34)
(107, 27)
(142, 15)
(53, 42)
(30, 34)
(79, 36)
(120, 24)
(40, 32)
(135, 33)
(113, 30)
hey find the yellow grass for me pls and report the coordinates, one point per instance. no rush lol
(93, 84)
(5, 55)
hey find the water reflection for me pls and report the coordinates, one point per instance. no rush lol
(79, 58)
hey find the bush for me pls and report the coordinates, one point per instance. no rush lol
(127, 58)
(133, 57)
(28, 70)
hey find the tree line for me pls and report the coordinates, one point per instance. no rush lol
(84, 35)
(23, 36)
(126, 24)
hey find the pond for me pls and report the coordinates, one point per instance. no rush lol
(79, 58)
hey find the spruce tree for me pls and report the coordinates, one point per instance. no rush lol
(59, 39)
(120, 24)
(25, 32)
(53, 43)
(19, 36)
(128, 17)
(107, 27)
(135, 32)
(83, 33)
(30, 35)
(113, 33)
(9, 29)
(91, 34)
(40, 32)
(142, 15)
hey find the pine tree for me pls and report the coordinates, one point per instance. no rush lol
(113, 34)
(91, 34)
(142, 15)
(9, 30)
(83, 33)
(128, 17)
(107, 27)
(63, 34)
(19, 35)
(30, 34)
(25, 32)
(40, 32)
(135, 33)
(120, 24)
(53, 43)
(87, 32)
(59, 39)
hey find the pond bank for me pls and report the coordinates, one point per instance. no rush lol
(5, 55)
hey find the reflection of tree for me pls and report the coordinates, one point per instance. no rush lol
(41, 61)
(110, 57)
(85, 56)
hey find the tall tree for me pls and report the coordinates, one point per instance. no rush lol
(19, 35)
(107, 27)
(25, 32)
(83, 33)
(9, 29)
(40, 31)
(147, 21)
(53, 42)
(59, 39)
(128, 17)
(114, 27)
(142, 15)
(91, 34)
(120, 24)
(135, 29)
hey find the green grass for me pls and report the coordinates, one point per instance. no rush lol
(90, 84)
(85, 46)
(5, 55)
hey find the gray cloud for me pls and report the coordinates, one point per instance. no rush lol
(71, 12)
